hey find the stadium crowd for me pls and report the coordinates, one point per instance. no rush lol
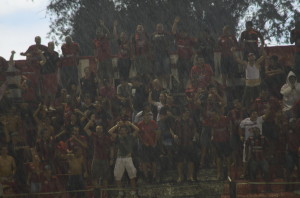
(61, 131)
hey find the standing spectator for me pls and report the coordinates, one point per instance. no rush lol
(49, 76)
(8, 168)
(77, 172)
(255, 150)
(201, 73)
(249, 40)
(220, 137)
(246, 131)
(185, 51)
(3, 68)
(253, 78)
(228, 67)
(69, 70)
(149, 137)
(102, 52)
(186, 151)
(291, 93)
(140, 51)
(124, 62)
(274, 76)
(34, 61)
(161, 46)
(205, 46)
(101, 156)
(293, 146)
(125, 142)
(88, 84)
(295, 38)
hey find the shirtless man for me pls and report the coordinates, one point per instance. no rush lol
(77, 170)
(7, 168)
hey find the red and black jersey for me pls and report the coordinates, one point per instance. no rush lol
(221, 129)
(102, 48)
(184, 46)
(257, 147)
(140, 42)
(225, 43)
(70, 52)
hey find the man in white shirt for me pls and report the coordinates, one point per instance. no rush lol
(246, 131)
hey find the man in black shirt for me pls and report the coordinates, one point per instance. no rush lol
(49, 75)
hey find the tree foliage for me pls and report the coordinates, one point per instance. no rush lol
(78, 18)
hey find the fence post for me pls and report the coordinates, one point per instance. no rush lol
(232, 188)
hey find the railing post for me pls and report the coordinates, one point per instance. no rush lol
(232, 188)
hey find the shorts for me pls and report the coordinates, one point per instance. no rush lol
(148, 154)
(205, 139)
(124, 67)
(186, 153)
(123, 164)
(222, 149)
(228, 66)
(100, 169)
(143, 65)
(184, 66)
(49, 84)
(162, 66)
(76, 183)
(105, 69)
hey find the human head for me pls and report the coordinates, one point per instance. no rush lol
(139, 28)
(226, 30)
(123, 130)
(51, 46)
(68, 39)
(123, 36)
(251, 57)
(99, 130)
(163, 98)
(159, 28)
(237, 104)
(75, 130)
(292, 79)
(253, 115)
(147, 116)
(249, 25)
(37, 40)
(199, 61)
(185, 114)
(4, 151)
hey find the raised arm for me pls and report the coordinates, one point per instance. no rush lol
(237, 59)
(262, 58)
(174, 26)
(87, 128)
(115, 32)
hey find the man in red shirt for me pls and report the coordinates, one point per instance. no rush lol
(186, 131)
(34, 61)
(69, 70)
(220, 138)
(140, 51)
(249, 40)
(102, 155)
(225, 43)
(102, 52)
(149, 138)
(185, 51)
(201, 73)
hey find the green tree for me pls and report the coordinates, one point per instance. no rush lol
(78, 18)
